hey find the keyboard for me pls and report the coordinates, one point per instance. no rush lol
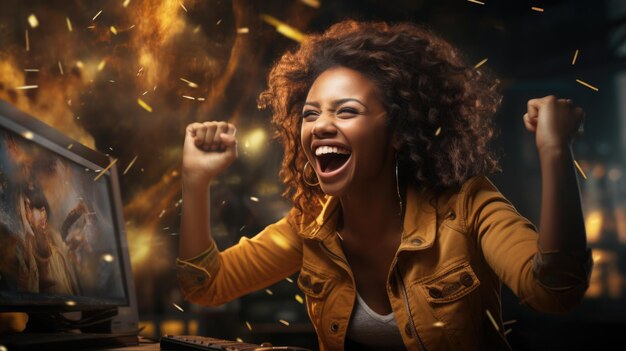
(193, 342)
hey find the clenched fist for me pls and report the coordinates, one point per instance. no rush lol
(209, 149)
(556, 122)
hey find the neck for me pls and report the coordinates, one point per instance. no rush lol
(373, 211)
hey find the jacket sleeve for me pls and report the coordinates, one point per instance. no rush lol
(546, 281)
(213, 277)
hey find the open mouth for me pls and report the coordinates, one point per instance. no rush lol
(331, 158)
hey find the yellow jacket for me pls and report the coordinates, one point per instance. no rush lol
(444, 283)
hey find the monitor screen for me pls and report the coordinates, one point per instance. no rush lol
(59, 235)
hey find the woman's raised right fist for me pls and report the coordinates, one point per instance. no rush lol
(209, 149)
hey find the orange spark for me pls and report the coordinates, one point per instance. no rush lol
(144, 105)
(476, 2)
(493, 321)
(130, 164)
(580, 169)
(538, 9)
(575, 57)
(480, 63)
(105, 170)
(587, 85)
(96, 16)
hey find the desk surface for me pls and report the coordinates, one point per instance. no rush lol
(143, 346)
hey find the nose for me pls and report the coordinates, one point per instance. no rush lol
(324, 126)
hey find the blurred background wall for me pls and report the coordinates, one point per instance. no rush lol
(126, 76)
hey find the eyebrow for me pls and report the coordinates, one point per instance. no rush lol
(335, 103)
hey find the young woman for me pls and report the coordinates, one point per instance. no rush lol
(400, 239)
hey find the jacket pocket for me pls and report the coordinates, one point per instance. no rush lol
(458, 312)
(451, 284)
(315, 286)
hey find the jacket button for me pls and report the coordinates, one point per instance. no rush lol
(451, 215)
(466, 279)
(408, 330)
(435, 293)
(450, 288)
(306, 281)
(317, 288)
(417, 241)
(334, 326)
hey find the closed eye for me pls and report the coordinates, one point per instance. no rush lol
(308, 113)
(348, 110)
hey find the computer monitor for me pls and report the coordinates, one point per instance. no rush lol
(62, 241)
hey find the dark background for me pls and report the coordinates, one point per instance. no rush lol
(159, 42)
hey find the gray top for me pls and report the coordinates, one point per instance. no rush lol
(372, 329)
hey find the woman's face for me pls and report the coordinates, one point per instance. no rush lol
(343, 132)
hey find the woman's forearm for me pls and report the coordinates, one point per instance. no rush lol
(195, 226)
(562, 225)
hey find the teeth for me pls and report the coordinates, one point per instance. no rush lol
(322, 150)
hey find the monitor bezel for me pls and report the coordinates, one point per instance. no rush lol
(19, 122)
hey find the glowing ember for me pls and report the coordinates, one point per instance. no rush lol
(70, 303)
(299, 299)
(96, 16)
(32, 20)
(26, 87)
(438, 131)
(575, 57)
(69, 24)
(144, 105)
(493, 321)
(243, 30)
(480, 63)
(269, 292)
(239, 339)
(587, 85)
(130, 164)
(113, 30)
(178, 307)
(284, 322)
(283, 28)
(580, 169)
(102, 64)
(289, 280)
(105, 170)
(60, 67)
(248, 325)
(126, 2)
(312, 3)
(183, 6)
(254, 198)
(70, 146)
(28, 135)
(476, 2)
(189, 97)
(108, 258)
(190, 83)
(538, 9)
(339, 235)
(438, 324)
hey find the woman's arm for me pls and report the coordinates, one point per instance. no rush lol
(556, 123)
(209, 149)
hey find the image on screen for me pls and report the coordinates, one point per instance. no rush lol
(57, 233)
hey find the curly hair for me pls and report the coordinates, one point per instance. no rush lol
(439, 108)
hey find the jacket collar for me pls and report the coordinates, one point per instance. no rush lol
(420, 221)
